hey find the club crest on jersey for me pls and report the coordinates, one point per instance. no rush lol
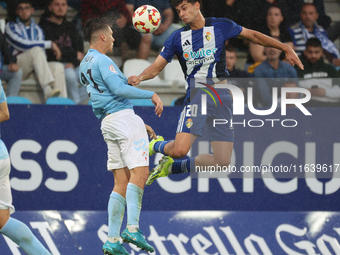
(207, 36)
(112, 69)
(189, 123)
(145, 155)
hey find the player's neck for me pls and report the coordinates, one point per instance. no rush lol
(98, 47)
(198, 23)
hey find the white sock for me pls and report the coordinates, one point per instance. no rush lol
(132, 228)
(112, 239)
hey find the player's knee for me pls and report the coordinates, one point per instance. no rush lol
(223, 162)
(179, 152)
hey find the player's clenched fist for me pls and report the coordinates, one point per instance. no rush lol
(134, 80)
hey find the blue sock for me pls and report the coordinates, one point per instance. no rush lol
(116, 210)
(134, 195)
(19, 233)
(159, 146)
(183, 166)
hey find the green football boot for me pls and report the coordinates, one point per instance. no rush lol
(137, 239)
(152, 143)
(161, 170)
(114, 249)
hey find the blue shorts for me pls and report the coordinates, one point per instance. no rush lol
(215, 124)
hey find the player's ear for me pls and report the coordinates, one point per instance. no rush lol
(102, 36)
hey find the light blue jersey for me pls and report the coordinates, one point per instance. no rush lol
(106, 85)
(3, 149)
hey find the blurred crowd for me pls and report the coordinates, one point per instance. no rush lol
(51, 50)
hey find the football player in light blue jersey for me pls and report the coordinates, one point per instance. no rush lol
(124, 132)
(200, 49)
(15, 230)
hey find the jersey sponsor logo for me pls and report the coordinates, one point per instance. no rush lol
(200, 61)
(201, 53)
(112, 69)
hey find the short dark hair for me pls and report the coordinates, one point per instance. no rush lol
(305, 4)
(313, 42)
(24, 2)
(230, 48)
(94, 25)
(175, 3)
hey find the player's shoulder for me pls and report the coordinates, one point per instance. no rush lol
(221, 20)
(177, 32)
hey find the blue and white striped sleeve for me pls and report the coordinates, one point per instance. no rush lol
(19, 42)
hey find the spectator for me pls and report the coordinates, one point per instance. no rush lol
(9, 71)
(295, 8)
(250, 14)
(237, 76)
(272, 73)
(26, 39)
(289, 95)
(333, 31)
(317, 76)
(308, 28)
(274, 27)
(65, 35)
(231, 59)
(126, 37)
(157, 39)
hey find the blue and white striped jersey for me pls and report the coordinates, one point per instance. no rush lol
(22, 38)
(201, 52)
(106, 85)
(3, 149)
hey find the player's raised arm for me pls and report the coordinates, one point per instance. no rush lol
(264, 40)
(150, 72)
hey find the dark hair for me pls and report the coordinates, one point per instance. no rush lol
(305, 4)
(24, 2)
(175, 3)
(46, 13)
(230, 48)
(94, 25)
(313, 42)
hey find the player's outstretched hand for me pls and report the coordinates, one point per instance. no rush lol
(134, 80)
(293, 58)
(150, 131)
(158, 103)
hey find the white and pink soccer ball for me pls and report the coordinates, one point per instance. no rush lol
(146, 19)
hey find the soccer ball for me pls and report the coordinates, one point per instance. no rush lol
(146, 19)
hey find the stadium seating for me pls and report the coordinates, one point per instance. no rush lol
(18, 100)
(137, 66)
(60, 101)
(173, 72)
